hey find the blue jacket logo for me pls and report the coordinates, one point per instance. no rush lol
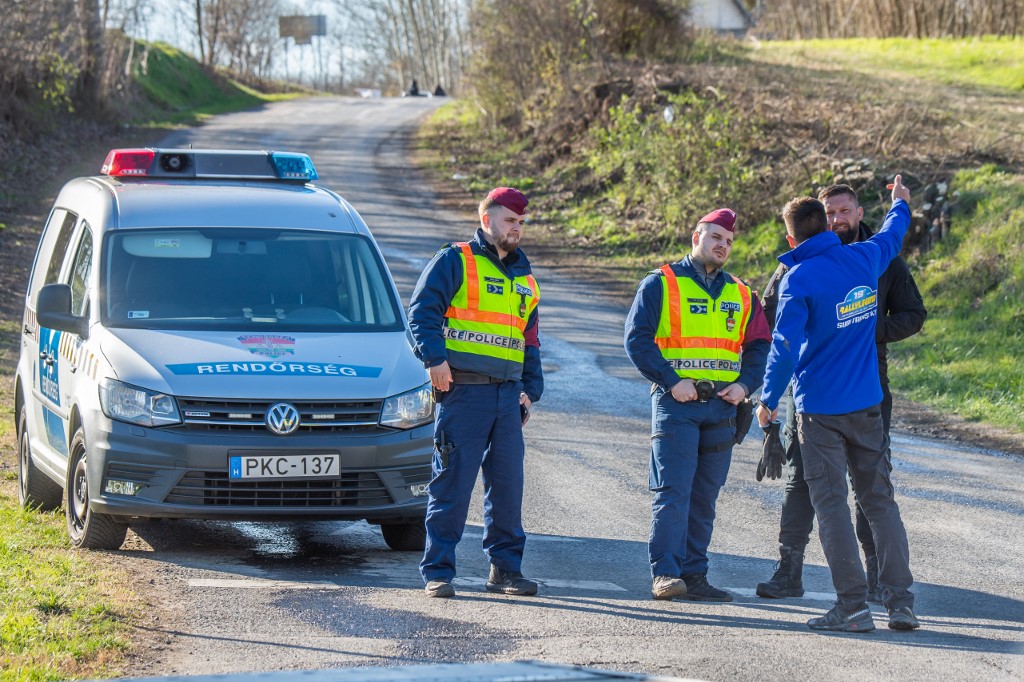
(860, 300)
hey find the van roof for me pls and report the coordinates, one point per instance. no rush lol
(223, 203)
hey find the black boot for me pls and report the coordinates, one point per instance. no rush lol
(788, 578)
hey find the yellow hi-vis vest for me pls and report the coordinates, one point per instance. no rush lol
(485, 321)
(702, 337)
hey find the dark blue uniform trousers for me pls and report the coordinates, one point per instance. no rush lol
(483, 424)
(686, 481)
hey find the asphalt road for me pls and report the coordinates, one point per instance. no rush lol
(248, 597)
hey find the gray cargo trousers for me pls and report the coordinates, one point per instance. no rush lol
(855, 442)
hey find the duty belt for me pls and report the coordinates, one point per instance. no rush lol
(462, 377)
(707, 389)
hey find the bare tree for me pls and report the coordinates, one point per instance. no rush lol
(797, 19)
(404, 40)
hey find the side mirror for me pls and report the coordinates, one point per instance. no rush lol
(53, 310)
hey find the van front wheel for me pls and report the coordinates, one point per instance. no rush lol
(87, 529)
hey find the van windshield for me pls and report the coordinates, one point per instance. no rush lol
(228, 279)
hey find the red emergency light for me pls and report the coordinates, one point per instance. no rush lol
(134, 163)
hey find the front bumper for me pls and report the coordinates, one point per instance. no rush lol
(183, 473)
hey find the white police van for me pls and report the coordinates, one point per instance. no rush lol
(209, 335)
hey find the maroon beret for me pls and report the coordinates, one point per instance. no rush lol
(510, 198)
(723, 217)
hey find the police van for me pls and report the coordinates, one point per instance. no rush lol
(210, 335)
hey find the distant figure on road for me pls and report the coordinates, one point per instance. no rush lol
(901, 314)
(473, 317)
(700, 335)
(824, 341)
(414, 89)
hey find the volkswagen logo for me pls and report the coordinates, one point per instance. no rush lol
(282, 419)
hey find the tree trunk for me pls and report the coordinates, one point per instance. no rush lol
(90, 20)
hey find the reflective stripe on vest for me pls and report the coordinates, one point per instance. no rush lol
(701, 337)
(489, 312)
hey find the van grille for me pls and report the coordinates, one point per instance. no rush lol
(353, 489)
(316, 416)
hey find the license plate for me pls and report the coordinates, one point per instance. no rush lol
(285, 466)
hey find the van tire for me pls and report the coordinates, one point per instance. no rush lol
(86, 528)
(405, 537)
(36, 490)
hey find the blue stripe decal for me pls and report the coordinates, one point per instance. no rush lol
(55, 431)
(293, 369)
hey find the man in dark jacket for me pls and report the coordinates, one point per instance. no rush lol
(824, 342)
(700, 336)
(901, 313)
(473, 317)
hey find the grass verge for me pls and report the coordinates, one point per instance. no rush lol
(967, 359)
(989, 61)
(179, 91)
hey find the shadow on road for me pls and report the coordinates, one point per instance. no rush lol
(350, 560)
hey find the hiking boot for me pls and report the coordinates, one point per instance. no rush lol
(510, 582)
(871, 575)
(667, 587)
(839, 620)
(439, 588)
(788, 578)
(698, 589)
(903, 618)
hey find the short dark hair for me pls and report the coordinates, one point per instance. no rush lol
(486, 204)
(805, 217)
(837, 190)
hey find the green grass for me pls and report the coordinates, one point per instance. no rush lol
(61, 617)
(967, 359)
(990, 61)
(182, 92)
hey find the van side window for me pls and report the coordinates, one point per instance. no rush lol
(80, 272)
(52, 249)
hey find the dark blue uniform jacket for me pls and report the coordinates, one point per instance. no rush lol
(434, 292)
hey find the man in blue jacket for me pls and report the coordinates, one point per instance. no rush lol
(473, 317)
(700, 336)
(824, 341)
(901, 313)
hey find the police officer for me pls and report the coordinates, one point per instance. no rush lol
(473, 317)
(700, 335)
(824, 341)
(901, 314)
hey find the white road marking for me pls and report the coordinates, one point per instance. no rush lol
(808, 596)
(591, 585)
(476, 533)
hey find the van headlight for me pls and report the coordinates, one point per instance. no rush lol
(135, 405)
(408, 410)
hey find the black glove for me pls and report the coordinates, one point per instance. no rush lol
(772, 453)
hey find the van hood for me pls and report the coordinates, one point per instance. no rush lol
(261, 365)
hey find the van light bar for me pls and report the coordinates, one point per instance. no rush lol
(225, 164)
